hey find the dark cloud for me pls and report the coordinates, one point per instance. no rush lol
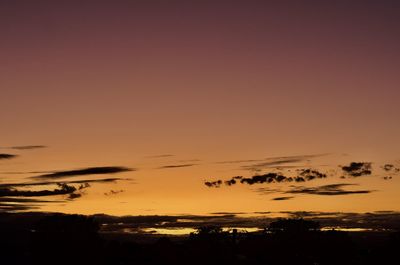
(84, 186)
(303, 176)
(282, 198)
(213, 184)
(113, 192)
(5, 207)
(390, 168)
(62, 190)
(358, 169)
(83, 182)
(177, 166)
(20, 200)
(266, 178)
(257, 179)
(12, 198)
(329, 190)
(230, 182)
(28, 147)
(83, 172)
(310, 174)
(73, 196)
(7, 156)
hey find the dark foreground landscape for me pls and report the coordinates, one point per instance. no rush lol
(37, 238)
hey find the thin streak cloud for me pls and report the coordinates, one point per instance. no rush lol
(177, 166)
(83, 172)
(7, 156)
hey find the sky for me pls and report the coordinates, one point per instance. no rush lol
(168, 97)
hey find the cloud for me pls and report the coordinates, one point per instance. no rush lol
(7, 156)
(19, 200)
(328, 190)
(73, 196)
(12, 198)
(43, 183)
(390, 168)
(257, 179)
(5, 207)
(310, 174)
(282, 198)
(276, 161)
(303, 176)
(28, 147)
(177, 166)
(213, 184)
(9, 197)
(62, 190)
(265, 191)
(266, 178)
(113, 192)
(83, 172)
(358, 169)
(260, 166)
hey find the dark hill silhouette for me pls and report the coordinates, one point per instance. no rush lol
(75, 239)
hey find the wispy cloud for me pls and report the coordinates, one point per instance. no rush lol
(84, 172)
(265, 191)
(278, 161)
(7, 156)
(282, 198)
(27, 147)
(113, 192)
(62, 190)
(44, 183)
(177, 166)
(328, 190)
(13, 198)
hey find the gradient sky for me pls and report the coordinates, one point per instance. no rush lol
(153, 84)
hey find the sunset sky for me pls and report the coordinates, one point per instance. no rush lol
(165, 96)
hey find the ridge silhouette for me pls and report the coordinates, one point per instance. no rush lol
(75, 239)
